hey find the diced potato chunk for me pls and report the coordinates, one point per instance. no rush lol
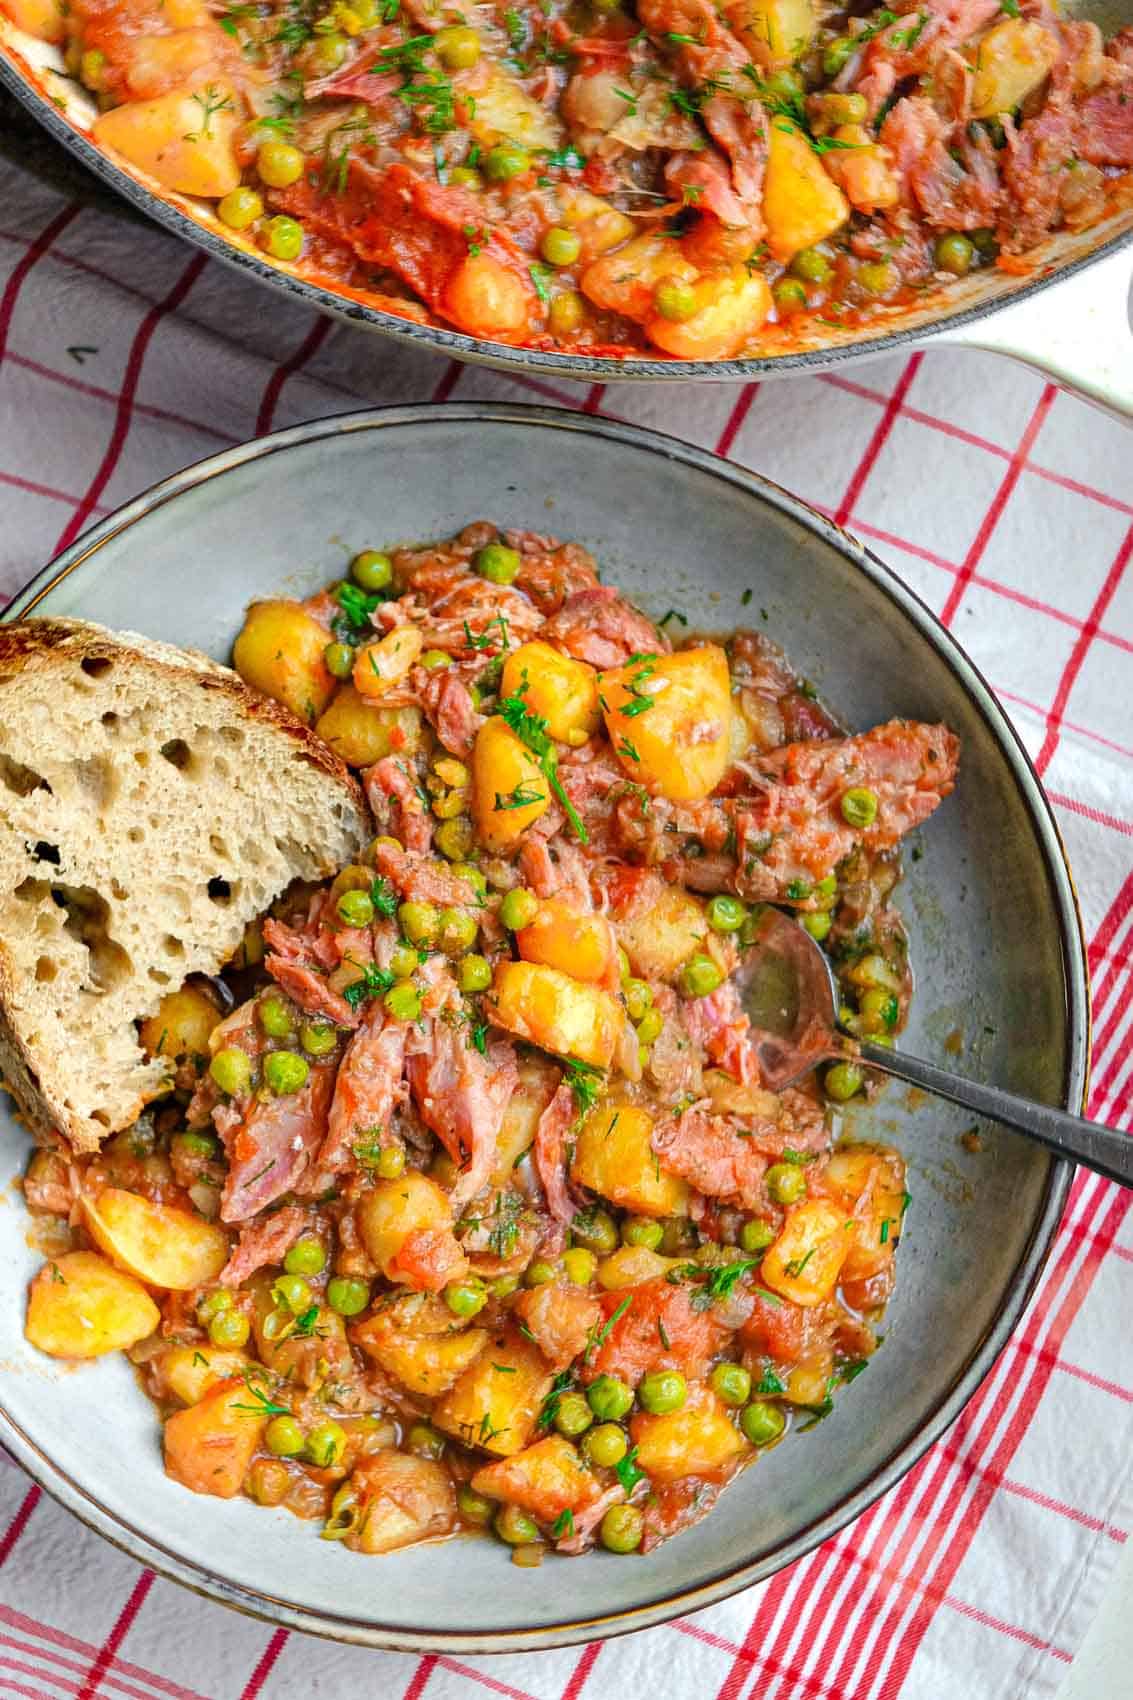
(485, 298)
(419, 1342)
(509, 789)
(382, 665)
(185, 141)
(801, 202)
(678, 746)
(806, 1260)
(613, 1157)
(209, 1446)
(562, 1319)
(545, 1479)
(406, 1226)
(731, 306)
(660, 940)
(176, 59)
(697, 1440)
(871, 1179)
(395, 1500)
(362, 732)
(598, 225)
(564, 691)
(775, 32)
(1011, 61)
(630, 1265)
(548, 1008)
(497, 1400)
(80, 1306)
(279, 651)
(161, 1246)
(502, 110)
(41, 18)
(809, 1382)
(863, 170)
(731, 1097)
(190, 1372)
(583, 946)
(623, 281)
(181, 1026)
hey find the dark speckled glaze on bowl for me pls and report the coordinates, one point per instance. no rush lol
(995, 942)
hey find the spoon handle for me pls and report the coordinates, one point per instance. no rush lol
(1089, 1143)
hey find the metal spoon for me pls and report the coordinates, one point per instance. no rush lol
(791, 995)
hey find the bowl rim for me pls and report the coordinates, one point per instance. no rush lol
(206, 1582)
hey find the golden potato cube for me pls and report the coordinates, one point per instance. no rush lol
(697, 1440)
(809, 1381)
(678, 746)
(623, 281)
(660, 940)
(394, 1210)
(400, 1499)
(613, 1157)
(209, 1446)
(279, 651)
(583, 946)
(557, 687)
(1011, 61)
(548, 1008)
(501, 109)
(382, 665)
(185, 141)
(775, 32)
(181, 1025)
(361, 732)
(802, 204)
(161, 1246)
(731, 305)
(630, 1265)
(509, 788)
(863, 170)
(598, 225)
(190, 1372)
(497, 1400)
(418, 1341)
(80, 1306)
(545, 1479)
(871, 1180)
(806, 1260)
(41, 18)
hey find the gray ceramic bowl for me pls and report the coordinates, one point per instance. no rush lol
(995, 941)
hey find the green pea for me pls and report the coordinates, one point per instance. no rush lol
(731, 1383)
(879, 1011)
(201, 1146)
(284, 238)
(284, 1437)
(515, 1526)
(518, 908)
(954, 253)
(643, 1231)
(404, 962)
(213, 1303)
(650, 1025)
(843, 1082)
(275, 1018)
(240, 208)
(90, 68)
(356, 908)
(539, 1273)
(784, 84)
(496, 562)
(638, 998)
(466, 1298)
(621, 1528)
(678, 1236)
(286, 1072)
(390, 1163)
(419, 922)
(596, 1230)
(501, 163)
(859, 807)
(432, 659)
(305, 1257)
(827, 887)
(749, 932)
(609, 1398)
(475, 974)
(573, 1415)
(229, 1328)
(464, 177)
(372, 570)
(726, 914)
(339, 660)
(560, 247)
(292, 1291)
(756, 1235)
(662, 1391)
(790, 295)
(279, 164)
(674, 299)
(475, 1507)
(403, 1001)
(762, 1422)
(785, 1183)
(985, 244)
(318, 1038)
(877, 277)
(700, 976)
(818, 924)
(473, 875)
(605, 1445)
(457, 931)
(504, 1286)
(458, 47)
(425, 1441)
(812, 266)
(837, 53)
(579, 1264)
(231, 1069)
(325, 1444)
(347, 1296)
(454, 841)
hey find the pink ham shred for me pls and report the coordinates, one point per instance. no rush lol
(462, 1096)
(422, 879)
(596, 626)
(272, 1144)
(369, 1085)
(263, 1243)
(549, 1153)
(392, 795)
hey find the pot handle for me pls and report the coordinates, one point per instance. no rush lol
(1079, 333)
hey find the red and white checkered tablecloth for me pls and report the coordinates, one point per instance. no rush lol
(1008, 507)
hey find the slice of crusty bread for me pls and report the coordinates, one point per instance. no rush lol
(150, 807)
